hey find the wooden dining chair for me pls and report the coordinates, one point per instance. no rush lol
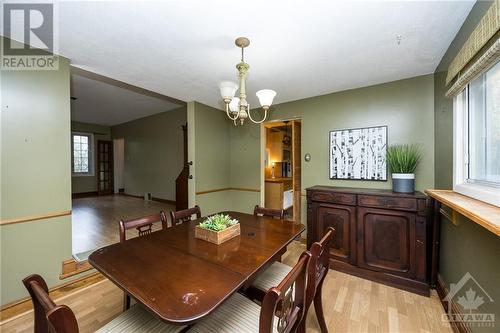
(319, 267)
(268, 212)
(282, 308)
(318, 270)
(46, 312)
(50, 317)
(144, 226)
(185, 215)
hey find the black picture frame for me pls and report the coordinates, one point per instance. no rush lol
(383, 176)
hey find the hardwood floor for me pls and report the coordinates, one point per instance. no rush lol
(351, 304)
(95, 219)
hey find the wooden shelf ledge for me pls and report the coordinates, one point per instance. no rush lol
(486, 215)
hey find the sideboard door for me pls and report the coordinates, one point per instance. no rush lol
(343, 220)
(385, 241)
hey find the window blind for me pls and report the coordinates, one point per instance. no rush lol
(480, 51)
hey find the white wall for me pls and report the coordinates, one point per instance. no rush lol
(118, 162)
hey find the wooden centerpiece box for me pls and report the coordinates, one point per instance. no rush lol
(217, 229)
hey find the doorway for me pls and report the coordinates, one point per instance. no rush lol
(281, 166)
(123, 127)
(181, 182)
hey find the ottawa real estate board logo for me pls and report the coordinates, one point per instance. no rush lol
(29, 36)
(470, 299)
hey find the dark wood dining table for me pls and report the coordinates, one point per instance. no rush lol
(181, 278)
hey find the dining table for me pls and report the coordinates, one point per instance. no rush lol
(182, 279)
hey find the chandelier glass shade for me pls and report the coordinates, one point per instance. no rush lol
(238, 108)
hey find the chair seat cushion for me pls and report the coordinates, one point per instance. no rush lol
(236, 315)
(138, 320)
(272, 276)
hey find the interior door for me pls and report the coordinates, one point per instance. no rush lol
(104, 167)
(384, 242)
(297, 168)
(343, 220)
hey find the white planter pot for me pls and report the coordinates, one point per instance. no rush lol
(403, 182)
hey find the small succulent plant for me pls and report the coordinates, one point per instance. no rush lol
(218, 222)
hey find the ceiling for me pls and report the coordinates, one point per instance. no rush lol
(301, 49)
(106, 104)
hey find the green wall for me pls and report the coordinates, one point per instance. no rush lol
(35, 176)
(191, 111)
(153, 153)
(211, 158)
(466, 247)
(223, 161)
(405, 106)
(245, 166)
(82, 184)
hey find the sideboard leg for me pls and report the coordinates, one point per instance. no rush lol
(436, 229)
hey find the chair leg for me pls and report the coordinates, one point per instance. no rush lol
(126, 302)
(318, 307)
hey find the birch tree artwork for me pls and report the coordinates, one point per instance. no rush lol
(359, 153)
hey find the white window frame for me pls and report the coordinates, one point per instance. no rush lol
(483, 192)
(90, 173)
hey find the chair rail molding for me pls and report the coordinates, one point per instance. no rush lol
(30, 218)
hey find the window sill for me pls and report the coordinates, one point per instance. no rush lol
(490, 195)
(484, 214)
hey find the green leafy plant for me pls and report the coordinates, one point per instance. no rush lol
(403, 158)
(218, 222)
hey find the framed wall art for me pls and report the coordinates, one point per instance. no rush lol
(359, 153)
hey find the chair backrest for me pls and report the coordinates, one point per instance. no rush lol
(144, 225)
(274, 213)
(319, 264)
(185, 215)
(49, 317)
(287, 300)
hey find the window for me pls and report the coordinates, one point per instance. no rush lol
(81, 145)
(477, 138)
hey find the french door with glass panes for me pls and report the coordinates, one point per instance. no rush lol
(104, 167)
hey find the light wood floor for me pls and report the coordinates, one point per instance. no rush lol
(95, 219)
(351, 304)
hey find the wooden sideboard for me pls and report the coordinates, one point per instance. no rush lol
(380, 235)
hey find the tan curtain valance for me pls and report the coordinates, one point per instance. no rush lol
(487, 58)
(482, 34)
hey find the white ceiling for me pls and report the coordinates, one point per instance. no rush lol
(183, 49)
(105, 104)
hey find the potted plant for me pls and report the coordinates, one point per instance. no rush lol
(403, 160)
(217, 229)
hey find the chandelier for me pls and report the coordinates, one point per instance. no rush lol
(237, 108)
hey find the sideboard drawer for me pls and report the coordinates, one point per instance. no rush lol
(387, 202)
(339, 198)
